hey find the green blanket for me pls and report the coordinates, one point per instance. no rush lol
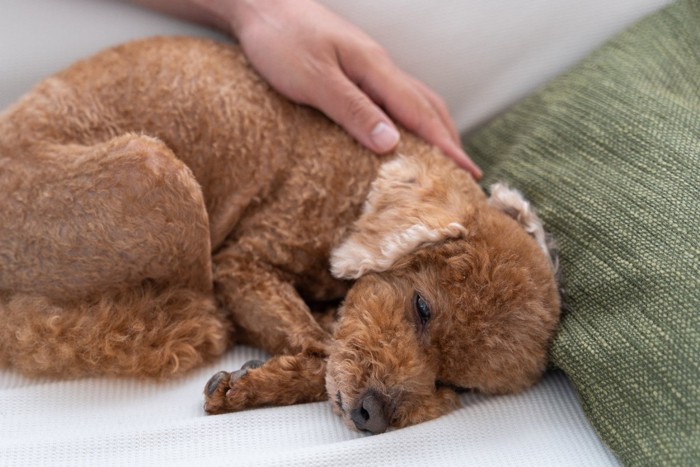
(610, 154)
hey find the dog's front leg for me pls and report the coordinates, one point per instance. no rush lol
(282, 380)
(267, 310)
(269, 314)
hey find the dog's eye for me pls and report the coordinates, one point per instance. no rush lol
(422, 309)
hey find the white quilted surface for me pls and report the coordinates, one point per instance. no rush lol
(128, 422)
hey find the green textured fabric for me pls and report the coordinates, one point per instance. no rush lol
(610, 155)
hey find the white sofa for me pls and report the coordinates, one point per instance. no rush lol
(481, 56)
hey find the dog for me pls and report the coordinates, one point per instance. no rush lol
(161, 203)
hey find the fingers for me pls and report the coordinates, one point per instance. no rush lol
(428, 117)
(439, 106)
(344, 73)
(410, 102)
(352, 109)
(414, 106)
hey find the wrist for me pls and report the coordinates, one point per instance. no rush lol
(241, 13)
(218, 13)
(231, 16)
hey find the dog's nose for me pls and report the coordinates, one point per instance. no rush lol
(371, 413)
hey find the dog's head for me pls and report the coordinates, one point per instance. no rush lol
(454, 290)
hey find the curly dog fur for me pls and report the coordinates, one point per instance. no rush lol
(161, 203)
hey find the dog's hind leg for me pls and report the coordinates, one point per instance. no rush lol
(139, 332)
(79, 220)
(105, 262)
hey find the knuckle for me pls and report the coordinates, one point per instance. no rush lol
(421, 117)
(367, 54)
(440, 102)
(357, 107)
(375, 51)
(429, 126)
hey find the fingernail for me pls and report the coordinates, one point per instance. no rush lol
(384, 137)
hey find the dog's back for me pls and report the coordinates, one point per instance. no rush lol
(202, 99)
(249, 149)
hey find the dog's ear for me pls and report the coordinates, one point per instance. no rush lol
(408, 206)
(514, 204)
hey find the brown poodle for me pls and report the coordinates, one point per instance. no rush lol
(160, 203)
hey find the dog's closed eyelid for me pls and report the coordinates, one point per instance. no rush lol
(421, 312)
(439, 384)
(422, 308)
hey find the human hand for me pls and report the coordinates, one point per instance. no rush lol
(314, 57)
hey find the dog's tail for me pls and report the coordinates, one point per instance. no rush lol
(139, 333)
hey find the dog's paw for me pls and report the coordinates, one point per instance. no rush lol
(215, 391)
(223, 394)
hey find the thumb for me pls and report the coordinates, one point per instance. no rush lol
(353, 110)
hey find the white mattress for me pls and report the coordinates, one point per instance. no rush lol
(480, 65)
(128, 422)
